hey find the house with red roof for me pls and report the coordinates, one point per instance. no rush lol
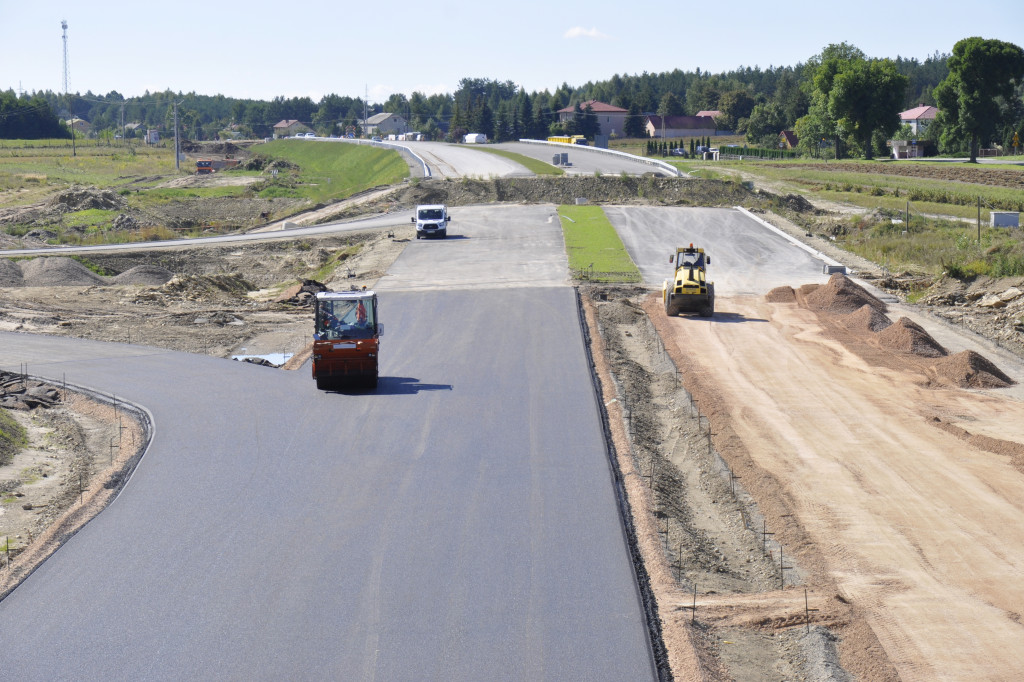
(679, 126)
(788, 140)
(290, 127)
(918, 118)
(611, 119)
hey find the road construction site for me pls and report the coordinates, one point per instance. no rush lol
(822, 481)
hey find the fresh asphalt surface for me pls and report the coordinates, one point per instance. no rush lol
(746, 258)
(459, 523)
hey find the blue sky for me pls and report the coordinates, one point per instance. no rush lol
(261, 49)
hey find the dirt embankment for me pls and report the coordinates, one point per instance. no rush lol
(77, 454)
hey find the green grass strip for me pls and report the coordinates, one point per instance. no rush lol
(531, 164)
(595, 251)
(12, 437)
(331, 170)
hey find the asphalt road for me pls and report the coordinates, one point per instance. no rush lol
(585, 160)
(459, 523)
(746, 258)
(487, 247)
(464, 160)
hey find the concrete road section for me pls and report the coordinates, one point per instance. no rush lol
(746, 258)
(583, 160)
(487, 247)
(459, 523)
(455, 161)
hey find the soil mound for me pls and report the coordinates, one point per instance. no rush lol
(81, 198)
(152, 275)
(10, 274)
(58, 272)
(206, 287)
(795, 202)
(968, 369)
(866, 318)
(781, 295)
(842, 295)
(909, 337)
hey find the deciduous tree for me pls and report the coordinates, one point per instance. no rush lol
(972, 98)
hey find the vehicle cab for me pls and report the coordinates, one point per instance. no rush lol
(346, 339)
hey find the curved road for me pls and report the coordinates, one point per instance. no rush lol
(460, 523)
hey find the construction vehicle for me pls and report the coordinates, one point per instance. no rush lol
(568, 139)
(346, 339)
(689, 291)
(207, 166)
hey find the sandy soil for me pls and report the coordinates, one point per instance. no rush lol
(897, 497)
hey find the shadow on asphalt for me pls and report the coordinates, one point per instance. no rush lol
(392, 386)
(449, 238)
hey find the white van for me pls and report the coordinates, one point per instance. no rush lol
(431, 219)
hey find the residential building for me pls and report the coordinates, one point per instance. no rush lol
(385, 124)
(611, 119)
(918, 118)
(79, 125)
(290, 128)
(679, 126)
(713, 113)
(787, 140)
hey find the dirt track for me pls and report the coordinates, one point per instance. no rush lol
(870, 480)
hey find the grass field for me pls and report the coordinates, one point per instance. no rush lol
(595, 251)
(32, 171)
(328, 170)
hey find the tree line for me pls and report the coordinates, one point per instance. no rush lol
(839, 102)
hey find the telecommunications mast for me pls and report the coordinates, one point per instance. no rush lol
(64, 26)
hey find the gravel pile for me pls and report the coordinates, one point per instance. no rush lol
(152, 275)
(82, 198)
(841, 295)
(10, 274)
(909, 337)
(867, 319)
(57, 272)
(967, 369)
(781, 295)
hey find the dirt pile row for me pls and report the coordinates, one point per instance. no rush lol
(854, 308)
(67, 272)
(614, 189)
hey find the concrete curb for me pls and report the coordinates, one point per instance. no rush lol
(830, 265)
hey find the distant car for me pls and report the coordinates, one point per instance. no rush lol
(310, 134)
(679, 151)
(376, 138)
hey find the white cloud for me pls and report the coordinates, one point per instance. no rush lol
(580, 32)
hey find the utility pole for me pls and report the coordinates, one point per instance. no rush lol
(67, 98)
(123, 141)
(177, 162)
